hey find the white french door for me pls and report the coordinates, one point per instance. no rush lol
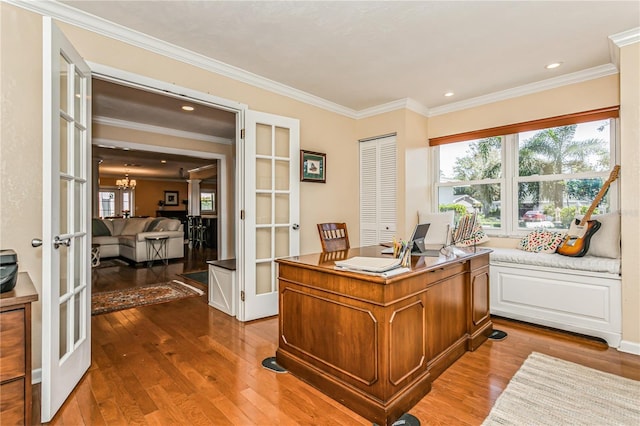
(66, 273)
(271, 209)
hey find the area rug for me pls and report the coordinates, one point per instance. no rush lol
(550, 391)
(110, 263)
(201, 276)
(110, 301)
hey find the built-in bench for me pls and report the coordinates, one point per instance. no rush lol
(577, 294)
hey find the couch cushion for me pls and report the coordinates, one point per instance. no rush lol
(99, 228)
(105, 240)
(135, 226)
(541, 241)
(117, 225)
(153, 224)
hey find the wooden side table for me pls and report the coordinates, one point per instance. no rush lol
(15, 352)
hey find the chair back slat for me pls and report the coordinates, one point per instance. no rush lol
(333, 236)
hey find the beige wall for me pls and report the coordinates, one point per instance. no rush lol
(585, 96)
(336, 135)
(21, 147)
(149, 192)
(629, 184)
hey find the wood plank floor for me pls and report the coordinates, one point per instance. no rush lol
(185, 363)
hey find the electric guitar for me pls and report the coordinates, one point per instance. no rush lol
(576, 243)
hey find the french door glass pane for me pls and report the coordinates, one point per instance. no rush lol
(263, 209)
(263, 140)
(64, 200)
(77, 322)
(64, 145)
(263, 173)
(282, 239)
(64, 76)
(282, 175)
(78, 152)
(263, 243)
(64, 318)
(63, 251)
(282, 208)
(282, 142)
(264, 278)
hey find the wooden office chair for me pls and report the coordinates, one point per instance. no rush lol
(333, 236)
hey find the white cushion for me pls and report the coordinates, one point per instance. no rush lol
(554, 260)
(606, 241)
(135, 226)
(441, 226)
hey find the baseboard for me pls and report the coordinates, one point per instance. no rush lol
(36, 376)
(629, 347)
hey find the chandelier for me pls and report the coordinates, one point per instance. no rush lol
(126, 183)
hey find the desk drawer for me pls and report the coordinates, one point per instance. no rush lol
(12, 344)
(445, 272)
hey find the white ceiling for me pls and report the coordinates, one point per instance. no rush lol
(362, 54)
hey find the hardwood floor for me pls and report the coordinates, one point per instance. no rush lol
(185, 363)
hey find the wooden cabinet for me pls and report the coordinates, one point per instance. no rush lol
(15, 352)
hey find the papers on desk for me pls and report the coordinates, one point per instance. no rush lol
(380, 266)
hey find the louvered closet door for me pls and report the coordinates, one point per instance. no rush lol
(377, 190)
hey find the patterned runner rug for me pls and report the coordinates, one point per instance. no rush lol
(550, 391)
(110, 301)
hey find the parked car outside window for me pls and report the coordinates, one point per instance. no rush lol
(534, 216)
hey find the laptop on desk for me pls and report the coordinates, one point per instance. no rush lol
(418, 245)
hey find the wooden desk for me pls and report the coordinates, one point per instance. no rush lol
(374, 344)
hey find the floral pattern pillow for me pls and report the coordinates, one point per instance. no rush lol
(541, 241)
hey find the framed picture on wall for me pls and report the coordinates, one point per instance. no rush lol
(313, 166)
(170, 198)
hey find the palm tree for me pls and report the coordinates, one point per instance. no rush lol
(555, 151)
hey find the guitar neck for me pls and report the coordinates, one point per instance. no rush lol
(605, 187)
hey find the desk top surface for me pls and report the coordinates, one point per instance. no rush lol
(326, 261)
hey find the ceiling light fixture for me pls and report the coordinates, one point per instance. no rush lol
(187, 107)
(553, 65)
(163, 161)
(449, 94)
(126, 183)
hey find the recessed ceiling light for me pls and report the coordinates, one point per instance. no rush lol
(163, 161)
(187, 107)
(553, 65)
(449, 94)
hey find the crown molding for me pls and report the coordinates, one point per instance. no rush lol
(407, 103)
(551, 83)
(131, 125)
(109, 29)
(626, 38)
(92, 23)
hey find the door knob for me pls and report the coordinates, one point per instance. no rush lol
(57, 242)
(36, 242)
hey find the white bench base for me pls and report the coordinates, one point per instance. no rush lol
(579, 301)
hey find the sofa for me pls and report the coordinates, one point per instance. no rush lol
(127, 237)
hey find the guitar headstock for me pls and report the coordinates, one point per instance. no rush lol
(614, 173)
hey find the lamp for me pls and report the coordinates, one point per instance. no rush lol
(126, 183)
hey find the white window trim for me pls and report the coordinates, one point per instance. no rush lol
(509, 181)
(119, 199)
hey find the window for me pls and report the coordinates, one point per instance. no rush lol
(115, 202)
(208, 201)
(530, 179)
